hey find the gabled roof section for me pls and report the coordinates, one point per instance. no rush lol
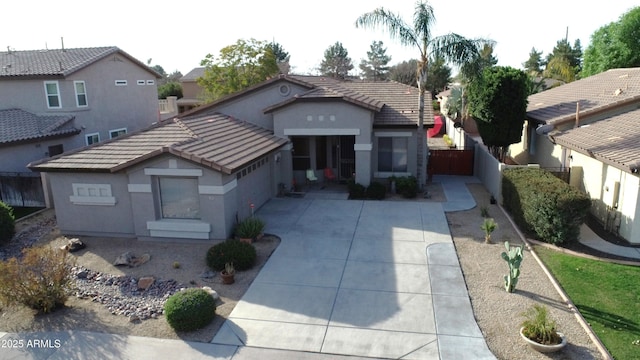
(602, 92)
(56, 63)
(613, 140)
(18, 126)
(333, 93)
(193, 75)
(216, 141)
(212, 105)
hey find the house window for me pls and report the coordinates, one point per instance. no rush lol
(92, 138)
(121, 82)
(179, 198)
(53, 94)
(140, 82)
(81, 94)
(55, 150)
(92, 194)
(150, 82)
(117, 132)
(392, 154)
(301, 158)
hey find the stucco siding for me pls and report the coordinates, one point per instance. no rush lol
(94, 219)
(251, 106)
(15, 158)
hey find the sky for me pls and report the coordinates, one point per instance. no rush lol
(177, 35)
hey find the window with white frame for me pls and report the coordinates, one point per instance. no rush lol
(150, 82)
(92, 194)
(53, 94)
(392, 154)
(117, 132)
(121, 82)
(179, 197)
(81, 94)
(92, 138)
(140, 82)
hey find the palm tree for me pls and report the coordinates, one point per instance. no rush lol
(452, 47)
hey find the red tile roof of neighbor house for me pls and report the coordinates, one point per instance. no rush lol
(56, 63)
(18, 126)
(216, 141)
(613, 141)
(602, 92)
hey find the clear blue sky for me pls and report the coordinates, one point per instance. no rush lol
(178, 34)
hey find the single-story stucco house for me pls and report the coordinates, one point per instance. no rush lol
(196, 175)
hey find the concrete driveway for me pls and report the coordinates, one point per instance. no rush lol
(362, 278)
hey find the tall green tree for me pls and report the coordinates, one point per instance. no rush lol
(498, 103)
(565, 61)
(405, 72)
(533, 65)
(237, 67)
(336, 62)
(438, 76)
(452, 47)
(615, 45)
(282, 57)
(374, 67)
(473, 68)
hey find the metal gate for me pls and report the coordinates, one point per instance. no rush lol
(21, 189)
(450, 162)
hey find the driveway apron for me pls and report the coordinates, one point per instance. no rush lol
(363, 278)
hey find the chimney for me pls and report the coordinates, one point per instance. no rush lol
(577, 115)
(62, 41)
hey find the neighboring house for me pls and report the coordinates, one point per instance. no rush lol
(192, 93)
(52, 101)
(195, 176)
(590, 127)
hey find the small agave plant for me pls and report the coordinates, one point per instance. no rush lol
(488, 226)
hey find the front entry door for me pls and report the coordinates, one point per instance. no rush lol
(346, 157)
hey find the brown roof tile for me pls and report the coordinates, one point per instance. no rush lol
(613, 140)
(596, 93)
(215, 141)
(17, 125)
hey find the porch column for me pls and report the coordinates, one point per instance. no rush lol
(363, 163)
(285, 167)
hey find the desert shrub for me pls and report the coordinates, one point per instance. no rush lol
(7, 223)
(190, 309)
(356, 191)
(41, 279)
(376, 191)
(242, 255)
(250, 228)
(544, 205)
(407, 186)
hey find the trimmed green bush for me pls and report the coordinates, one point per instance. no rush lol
(241, 254)
(356, 191)
(7, 223)
(376, 191)
(41, 279)
(250, 228)
(407, 186)
(544, 205)
(190, 309)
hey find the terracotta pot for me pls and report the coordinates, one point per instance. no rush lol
(227, 278)
(545, 348)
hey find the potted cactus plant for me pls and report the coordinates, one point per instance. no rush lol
(228, 274)
(539, 330)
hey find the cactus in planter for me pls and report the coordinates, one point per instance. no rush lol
(513, 257)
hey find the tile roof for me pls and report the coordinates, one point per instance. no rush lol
(56, 62)
(394, 103)
(216, 141)
(17, 125)
(596, 93)
(193, 75)
(613, 140)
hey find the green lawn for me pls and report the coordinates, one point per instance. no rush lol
(607, 295)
